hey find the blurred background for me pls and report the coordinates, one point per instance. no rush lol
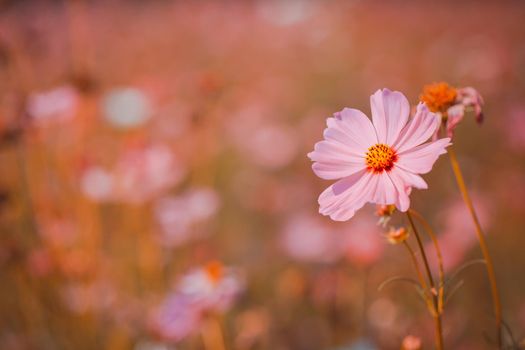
(151, 146)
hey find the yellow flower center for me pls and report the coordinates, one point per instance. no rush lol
(214, 270)
(438, 96)
(380, 157)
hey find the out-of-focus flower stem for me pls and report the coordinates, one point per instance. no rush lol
(481, 238)
(212, 336)
(435, 314)
(433, 237)
(420, 277)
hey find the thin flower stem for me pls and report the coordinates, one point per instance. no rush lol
(416, 266)
(436, 315)
(422, 282)
(212, 336)
(433, 237)
(481, 238)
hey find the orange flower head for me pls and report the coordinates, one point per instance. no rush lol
(411, 343)
(214, 270)
(385, 210)
(438, 96)
(396, 236)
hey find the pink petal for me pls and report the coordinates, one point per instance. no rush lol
(403, 189)
(385, 191)
(413, 180)
(390, 110)
(455, 115)
(341, 200)
(419, 160)
(335, 161)
(418, 130)
(352, 128)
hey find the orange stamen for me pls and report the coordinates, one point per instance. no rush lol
(438, 96)
(380, 157)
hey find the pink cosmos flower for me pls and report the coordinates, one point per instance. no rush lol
(362, 240)
(308, 238)
(212, 287)
(376, 161)
(175, 319)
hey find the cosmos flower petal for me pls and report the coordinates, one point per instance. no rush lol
(420, 159)
(413, 180)
(341, 200)
(455, 116)
(390, 110)
(351, 128)
(332, 171)
(334, 161)
(385, 191)
(402, 202)
(418, 130)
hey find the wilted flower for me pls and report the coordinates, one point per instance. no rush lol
(396, 236)
(59, 104)
(439, 97)
(451, 103)
(376, 162)
(411, 342)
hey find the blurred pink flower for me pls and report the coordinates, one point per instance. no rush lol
(59, 104)
(212, 287)
(266, 143)
(97, 184)
(126, 108)
(143, 173)
(308, 238)
(175, 319)
(363, 241)
(376, 162)
(178, 216)
(57, 232)
(139, 175)
(82, 297)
